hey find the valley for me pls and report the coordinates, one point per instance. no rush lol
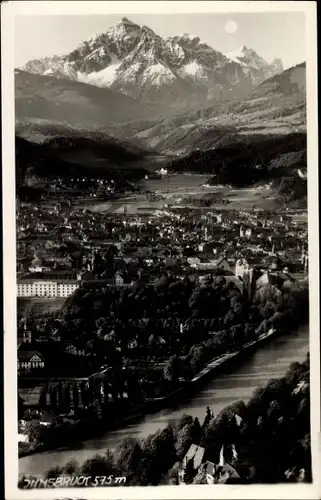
(188, 191)
(161, 235)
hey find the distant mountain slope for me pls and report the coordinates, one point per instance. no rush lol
(248, 58)
(247, 161)
(289, 82)
(76, 156)
(277, 106)
(73, 104)
(218, 124)
(136, 61)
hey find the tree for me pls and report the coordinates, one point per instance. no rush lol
(171, 369)
(71, 467)
(35, 432)
(158, 456)
(273, 411)
(201, 476)
(53, 397)
(268, 310)
(65, 397)
(188, 435)
(189, 472)
(54, 472)
(171, 477)
(208, 417)
(21, 407)
(128, 456)
(184, 420)
(43, 396)
(97, 466)
(197, 354)
(75, 396)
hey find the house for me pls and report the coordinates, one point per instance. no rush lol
(46, 288)
(226, 475)
(223, 265)
(194, 455)
(118, 279)
(210, 472)
(25, 337)
(268, 283)
(276, 279)
(132, 344)
(29, 360)
(74, 351)
(223, 472)
(274, 262)
(236, 281)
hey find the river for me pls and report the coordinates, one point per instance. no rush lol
(269, 361)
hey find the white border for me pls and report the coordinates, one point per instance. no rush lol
(9, 10)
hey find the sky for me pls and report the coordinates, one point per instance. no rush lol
(273, 34)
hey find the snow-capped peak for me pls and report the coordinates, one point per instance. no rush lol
(137, 61)
(188, 36)
(247, 57)
(237, 54)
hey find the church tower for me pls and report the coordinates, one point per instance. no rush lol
(245, 274)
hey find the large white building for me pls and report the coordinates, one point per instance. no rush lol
(46, 288)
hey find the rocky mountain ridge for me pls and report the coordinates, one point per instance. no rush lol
(136, 61)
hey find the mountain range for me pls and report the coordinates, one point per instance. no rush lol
(127, 93)
(43, 103)
(174, 71)
(275, 107)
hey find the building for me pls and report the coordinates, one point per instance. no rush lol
(119, 280)
(195, 456)
(25, 337)
(223, 265)
(46, 288)
(305, 259)
(244, 273)
(223, 472)
(29, 360)
(74, 351)
(210, 472)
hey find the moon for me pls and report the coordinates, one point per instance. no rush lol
(230, 27)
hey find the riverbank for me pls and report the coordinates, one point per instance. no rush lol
(211, 369)
(153, 405)
(268, 361)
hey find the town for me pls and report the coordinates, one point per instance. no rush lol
(162, 252)
(60, 250)
(107, 304)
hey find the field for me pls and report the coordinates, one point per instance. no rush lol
(174, 190)
(38, 305)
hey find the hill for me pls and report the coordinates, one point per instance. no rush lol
(274, 154)
(69, 157)
(276, 107)
(289, 82)
(44, 101)
(48, 106)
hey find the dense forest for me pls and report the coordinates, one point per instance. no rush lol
(246, 162)
(69, 157)
(271, 437)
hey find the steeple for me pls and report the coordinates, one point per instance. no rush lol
(222, 459)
